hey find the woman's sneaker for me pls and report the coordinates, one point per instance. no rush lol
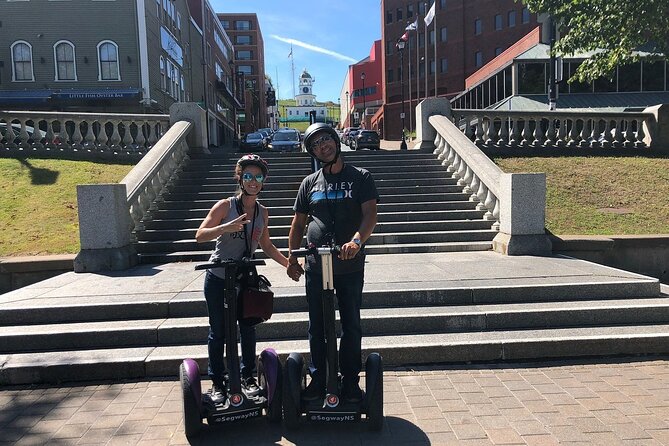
(251, 386)
(218, 394)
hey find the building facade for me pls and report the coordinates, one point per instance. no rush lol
(246, 36)
(463, 36)
(363, 89)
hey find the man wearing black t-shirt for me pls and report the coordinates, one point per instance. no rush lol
(341, 200)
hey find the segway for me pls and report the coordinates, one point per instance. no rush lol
(239, 405)
(332, 409)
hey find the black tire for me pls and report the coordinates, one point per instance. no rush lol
(191, 409)
(374, 378)
(274, 408)
(292, 389)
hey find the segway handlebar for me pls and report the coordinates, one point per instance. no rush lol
(229, 262)
(314, 250)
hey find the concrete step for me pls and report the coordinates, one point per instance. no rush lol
(376, 239)
(227, 172)
(189, 222)
(366, 163)
(375, 322)
(507, 345)
(381, 228)
(218, 177)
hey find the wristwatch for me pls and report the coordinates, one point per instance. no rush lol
(357, 242)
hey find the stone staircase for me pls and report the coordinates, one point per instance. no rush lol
(421, 209)
(423, 302)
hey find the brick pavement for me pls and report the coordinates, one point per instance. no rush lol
(621, 402)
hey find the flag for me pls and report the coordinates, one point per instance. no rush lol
(412, 26)
(405, 36)
(291, 52)
(430, 14)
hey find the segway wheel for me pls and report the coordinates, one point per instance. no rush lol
(374, 377)
(270, 377)
(191, 389)
(292, 390)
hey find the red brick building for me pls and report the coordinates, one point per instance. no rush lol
(469, 34)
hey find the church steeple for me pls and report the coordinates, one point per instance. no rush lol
(305, 95)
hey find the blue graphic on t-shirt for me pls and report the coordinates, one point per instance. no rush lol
(332, 195)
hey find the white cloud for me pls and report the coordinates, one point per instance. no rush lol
(314, 48)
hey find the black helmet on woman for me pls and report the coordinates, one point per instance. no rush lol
(253, 160)
(313, 130)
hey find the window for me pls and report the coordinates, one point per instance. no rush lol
(444, 65)
(442, 4)
(389, 47)
(65, 65)
(208, 54)
(498, 51)
(478, 27)
(498, 22)
(478, 59)
(421, 8)
(389, 76)
(525, 15)
(421, 70)
(421, 40)
(444, 34)
(242, 25)
(244, 55)
(243, 40)
(183, 88)
(163, 80)
(179, 21)
(225, 24)
(398, 14)
(389, 17)
(433, 66)
(108, 69)
(158, 8)
(653, 76)
(246, 69)
(532, 78)
(409, 11)
(22, 62)
(512, 19)
(431, 37)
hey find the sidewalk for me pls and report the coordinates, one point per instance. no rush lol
(621, 402)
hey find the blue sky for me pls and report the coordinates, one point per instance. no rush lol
(327, 37)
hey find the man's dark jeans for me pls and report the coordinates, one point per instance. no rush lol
(214, 288)
(348, 288)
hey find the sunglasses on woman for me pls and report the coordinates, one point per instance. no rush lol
(248, 176)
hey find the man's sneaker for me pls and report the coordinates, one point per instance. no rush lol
(351, 392)
(218, 394)
(315, 390)
(251, 386)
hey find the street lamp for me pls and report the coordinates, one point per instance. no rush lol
(348, 111)
(364, 105)
(400, 46)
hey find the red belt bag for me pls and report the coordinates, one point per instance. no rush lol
(256, 300)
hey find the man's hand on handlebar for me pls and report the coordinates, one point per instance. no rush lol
(349, 250)
(294, 271)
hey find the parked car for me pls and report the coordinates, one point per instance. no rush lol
(253, 142)
(285, 141)
(366, 139)
(346, 133)
(351, 137)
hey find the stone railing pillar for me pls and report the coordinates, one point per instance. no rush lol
(193, 113)
(657, 131)
(425, 132)
(104, 220)
(522, 215)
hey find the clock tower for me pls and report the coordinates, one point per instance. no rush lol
(305, 94)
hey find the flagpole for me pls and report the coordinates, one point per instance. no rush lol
(435, 53)
(426, 44)
(410, 118)
(292, 66)
(417, 65)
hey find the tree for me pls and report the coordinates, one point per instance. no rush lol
(608, 30)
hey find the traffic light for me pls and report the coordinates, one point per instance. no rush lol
(271, 98)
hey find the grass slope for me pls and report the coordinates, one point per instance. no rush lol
(38, 203)
(601, 195)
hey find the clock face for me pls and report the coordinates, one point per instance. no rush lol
(305, 90)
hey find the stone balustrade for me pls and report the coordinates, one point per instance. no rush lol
(79, 135)
(491, 129)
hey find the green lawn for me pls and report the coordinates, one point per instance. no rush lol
(601, 195)
(38, 203)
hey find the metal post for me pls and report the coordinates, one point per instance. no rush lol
(400, 45)
(364, 104)
(552, 86)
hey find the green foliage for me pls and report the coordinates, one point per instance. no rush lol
(612, 29)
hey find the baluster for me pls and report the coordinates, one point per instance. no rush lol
(77, 137)
(456, 167)
(606, 136)
(116, 137)
(127, 137)
(538, 134)
(495, 215)
(153, 137)
(37, 136)
(102, 137)
(525, 134)
(10, 136)
(550, 133)
(23, 135)
(89, 139)
(439, 147)
(476, 184)
(503, 139)
(585, 133)
(141, 139)
(469, 132)
(561, 133)
(629, 134)
(573, 133)
(450, 158)
(50, 136)
(515, 132)
(478, 140)
(467, 179)
(595, 135)
(489, 205)
(640, 134)
(618, 135)
(482, 193)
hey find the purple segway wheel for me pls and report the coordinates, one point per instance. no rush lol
(271, 366)
(193, 374)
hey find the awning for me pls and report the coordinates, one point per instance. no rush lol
(18, 96)
(107, 93)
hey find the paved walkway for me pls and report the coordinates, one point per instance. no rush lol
(624, 402)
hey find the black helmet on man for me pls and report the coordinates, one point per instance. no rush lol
(320, 128)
